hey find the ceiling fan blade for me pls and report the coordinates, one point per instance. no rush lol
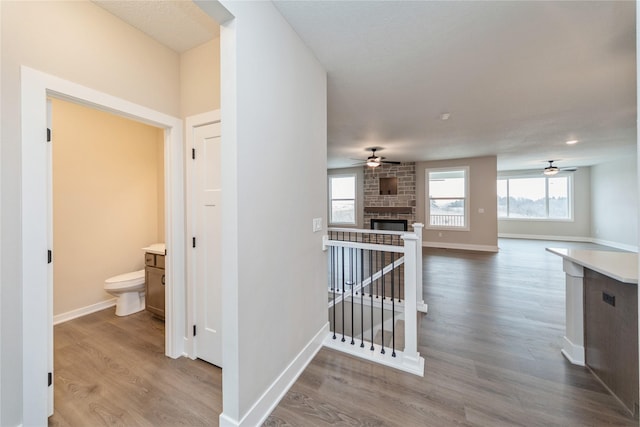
(389, 162)
(570, 169)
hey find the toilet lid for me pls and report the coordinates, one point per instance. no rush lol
(125, 280)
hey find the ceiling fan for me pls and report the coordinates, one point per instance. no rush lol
(552, 169)
(374, 161)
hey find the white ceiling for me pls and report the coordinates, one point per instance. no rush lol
(518, 78)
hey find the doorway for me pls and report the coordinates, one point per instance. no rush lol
(108, 203)
(37, 270)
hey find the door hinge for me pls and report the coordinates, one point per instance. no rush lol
(49, 379)
(49, 257)
(194, 242)
(194, 330)
(48, 135)
(193, 153)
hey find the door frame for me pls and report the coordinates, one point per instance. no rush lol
(37, 225)
(191, 123)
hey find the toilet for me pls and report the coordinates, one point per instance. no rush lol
(129, 289)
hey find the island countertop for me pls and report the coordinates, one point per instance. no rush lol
(621, 266)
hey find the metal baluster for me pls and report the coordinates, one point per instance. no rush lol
(371, 292)
(334, 280)
(393, 306)
(343, 294)
(361, 297)
(382, 309)
(380, 267)
(353, 282)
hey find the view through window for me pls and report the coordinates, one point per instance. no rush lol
(534, 197)
(447, 193)
(342, 199)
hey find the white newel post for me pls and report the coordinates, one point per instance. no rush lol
(417, 228)
(573, 342)
(411, 356)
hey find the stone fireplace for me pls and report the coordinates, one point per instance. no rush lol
(379, 201)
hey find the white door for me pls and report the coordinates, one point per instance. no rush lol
(206, 193)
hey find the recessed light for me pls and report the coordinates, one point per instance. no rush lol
(445, 116)
(572, 142)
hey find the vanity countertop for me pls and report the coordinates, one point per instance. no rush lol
(156, 248)
(621, 266)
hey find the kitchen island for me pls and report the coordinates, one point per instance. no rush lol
(602, 318)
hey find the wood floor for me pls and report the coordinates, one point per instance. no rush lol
(112, 371)
(491, 343)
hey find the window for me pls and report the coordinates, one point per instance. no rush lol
(447, 191)
(535, 197)
(342, 199)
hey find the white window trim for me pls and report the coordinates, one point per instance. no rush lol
(570, 192)
(467, 199)
(355, 198)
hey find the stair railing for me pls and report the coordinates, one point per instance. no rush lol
(372, 274)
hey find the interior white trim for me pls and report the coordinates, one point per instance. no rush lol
(266, 403)
(37, 311)
(191, 123)
(83, 311)
(545, 237)
(612, 244)
(461, 246)
(623, 246)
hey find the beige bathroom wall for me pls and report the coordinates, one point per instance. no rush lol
(160, 188)
(200, 79)
(106, 200)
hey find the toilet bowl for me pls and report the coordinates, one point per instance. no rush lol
(129, 289)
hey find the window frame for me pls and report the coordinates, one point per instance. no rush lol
(570, 195)
(355, 199)
(467, 199)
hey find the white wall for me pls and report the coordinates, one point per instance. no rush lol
(80, 42)
(274, 154)
(359, 172)
(483, 228)
(577, 229)
(614, 202)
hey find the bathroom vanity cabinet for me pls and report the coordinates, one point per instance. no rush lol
(154, 283)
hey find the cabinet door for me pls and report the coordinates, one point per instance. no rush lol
(154, 298)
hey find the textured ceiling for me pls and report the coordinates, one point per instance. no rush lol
(518, 78)
(180, 24)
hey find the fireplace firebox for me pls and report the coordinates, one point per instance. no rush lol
(389, 224)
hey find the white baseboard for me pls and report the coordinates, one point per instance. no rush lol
(573, 353)
(545, 237)
(276, 391)
(79, 312)
(611, 244)
(616, 245)
(461, 246)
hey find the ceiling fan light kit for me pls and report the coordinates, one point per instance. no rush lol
(374, 161)
(550, 170)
